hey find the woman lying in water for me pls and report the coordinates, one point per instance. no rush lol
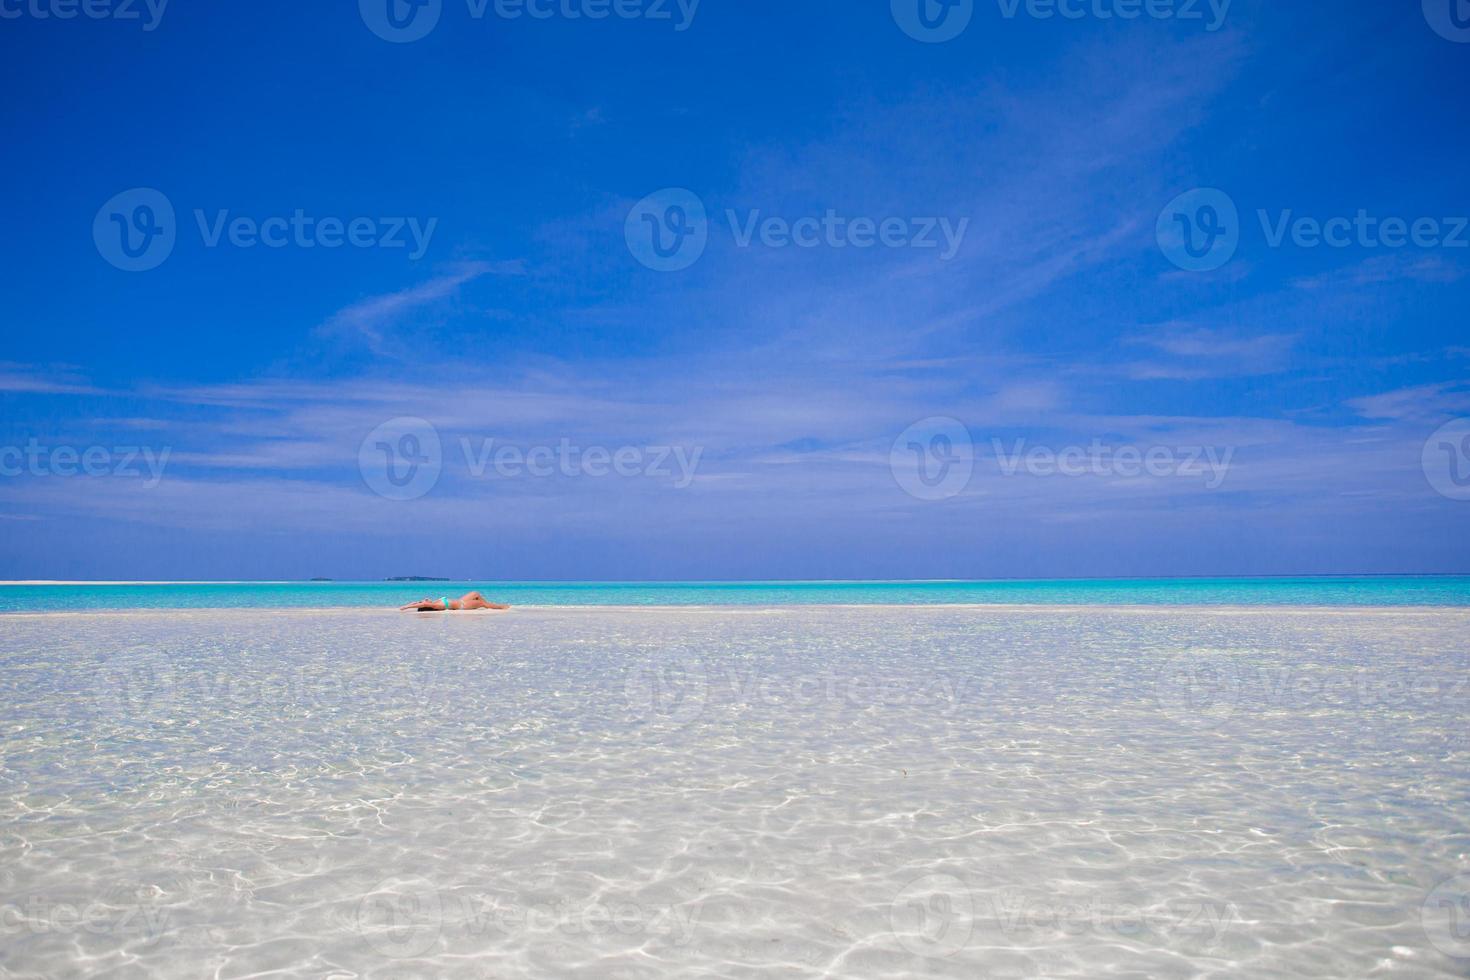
(470, 600)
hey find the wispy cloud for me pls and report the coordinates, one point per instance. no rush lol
(33, 380)
(1416, 403)
(1187, 352)
(1381, 269)
(369, 321)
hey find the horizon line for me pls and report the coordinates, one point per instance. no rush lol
(655, 582)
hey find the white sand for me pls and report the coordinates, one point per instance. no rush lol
(865, 792)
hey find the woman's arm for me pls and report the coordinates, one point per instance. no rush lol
(423, 605)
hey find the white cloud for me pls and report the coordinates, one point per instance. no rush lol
(1416, 403)
(368, 321)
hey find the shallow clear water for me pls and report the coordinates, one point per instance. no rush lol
(1382, 590)
(736, 792)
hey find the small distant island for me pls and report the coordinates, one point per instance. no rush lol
(415, 578)
(319, 579)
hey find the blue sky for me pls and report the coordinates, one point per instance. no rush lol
(1037, 155)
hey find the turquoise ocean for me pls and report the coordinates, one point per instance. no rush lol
(1400, 590)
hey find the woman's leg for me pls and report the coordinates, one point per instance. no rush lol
(473, 600)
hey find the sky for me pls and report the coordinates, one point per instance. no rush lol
(650, 290)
